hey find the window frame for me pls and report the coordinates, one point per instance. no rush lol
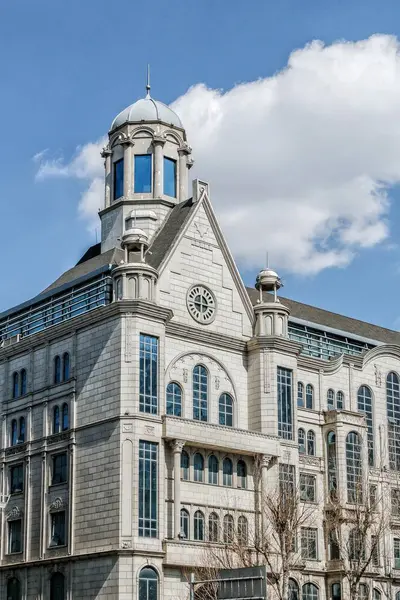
(173, 402)
(225, 410)
(63, 469)
(213, 475)
(170, 161)
(148, 373)
(285, 402)
(11, 525)
(148, 489)
(307, 482)
(227, 472)
(200, 392)
(199, 526)
(309, 535)
(53, 523)
(118, 178)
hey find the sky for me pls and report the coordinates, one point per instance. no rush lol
(292, 110)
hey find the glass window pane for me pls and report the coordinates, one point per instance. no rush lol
(169, 177)
(118, 178)
(148, 489)
(143, 175)
(148, 381)
(285, 416)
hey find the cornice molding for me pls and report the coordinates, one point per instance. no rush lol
(204, 336)
(134, 202)
(273, 342)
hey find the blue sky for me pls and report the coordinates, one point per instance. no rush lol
(68, 68)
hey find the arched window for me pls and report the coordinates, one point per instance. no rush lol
(57, 586)
(311, 443)
(65, 417)
(57, 369)
(66, 367)
(241, 471)
(397, 595)
(330, 396)
(332, 465)
(226, 410)
(310, 592)
(184, 524)
(23, 382)
(174, 399)
(340, 400)
(198, 464)
(243, 531)
(356, 549)
(227, 471)
(293, 590)
(15, 391)
(213, 468)
(364, 403)
(213, 527)
(309, 396)
(13, 589)
(393, 414)
(353, 467)
(363, 592)
(200, 393)
(185, 465)
(376, 595)
(21, 437)
(56, 419)
(14, 432)
(336, 591)
(198, 526)
(302, 441)
(229, 529)
(300, 394)
(148, 584)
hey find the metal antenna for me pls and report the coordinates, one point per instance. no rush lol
(267, 254)
(148, 82)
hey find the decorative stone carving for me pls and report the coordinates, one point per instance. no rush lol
(217, 383)
(378, 375)
(177, 446)
(128, 340)
(215, 368)
(15, 513)
(58, 504)
(185, 375)
(266, 460)
(126, 544)
(267, 385)
(58, 437)
(127, 427)
(15, 449)
(309, 460)
(149, 429)
(202, 230)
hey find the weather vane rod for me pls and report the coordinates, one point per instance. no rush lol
(148, 82)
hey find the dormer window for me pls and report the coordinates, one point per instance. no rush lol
(118, 178)
(169, 177)
(143, 178)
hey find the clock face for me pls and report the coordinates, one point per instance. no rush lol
(201, 304)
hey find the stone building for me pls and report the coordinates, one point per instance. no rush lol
(140, 388)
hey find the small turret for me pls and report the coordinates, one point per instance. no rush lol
(272, 316)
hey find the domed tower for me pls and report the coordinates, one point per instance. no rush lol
(272, 316)
(147, 160)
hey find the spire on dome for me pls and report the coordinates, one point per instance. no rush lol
(148, 83)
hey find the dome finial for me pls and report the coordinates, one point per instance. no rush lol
(148, 82)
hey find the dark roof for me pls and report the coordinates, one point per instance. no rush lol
(333, 320)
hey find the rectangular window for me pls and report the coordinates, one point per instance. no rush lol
(396, 548)
(148, 384)
(307, 487)
(308, 543)
(285, 416)
(395, 500)
(286, 478)
(59, 470)
(148, 495)
(15, 536)
(169, 177)
(374, 551)
(143, 177)
(58, 529)
(372, 497)
(17, 479)
(118, 178)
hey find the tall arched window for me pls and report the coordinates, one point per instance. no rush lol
(13, 589)
(184, 524)
(364, 403)
(57, 369)
(310, 592)
(14, 432)
(300, 394)
(174, 399)
(198, 464)
(353, 467)
(227, 471)
(332, 465)
(393, 414)
(21, 436)
(226, 410)
(377, 595)
(241, 472)
(229, 529)
(185, 465)
(23, 382)
(243, 531)
(293, 590)
(148, 584)
(213, 527)
(66, 367)
(311, 443)
(309, 396)
(15, 380)
(200, 393)
(330, 396)
(65, 417)
(56, 419)
(57, 586)
(213, 468)
(198, 526)
(340, 400)
(302, 441)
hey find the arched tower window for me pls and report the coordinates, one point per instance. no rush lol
(332, 465)
(198, 464)
(174, 399)
(330, 396)
(65, 417)
(353, 467)
(198, 526)
(15, 381)
(23, 382)
(300, 394)
(21, 436)
(241, 472)
(14, 432)
(302, 441)
(118, 178)
(185, 466)
(213, 468)
(311, 443)
(227, 470)
(393, 414)
(57, 586)
(184, 524)
(200, 393)
(213, 527)
(309, 396)
(143, 173)
(310, 592)
(226, 410)
(56, 419)
(66, 367)
(148, 584)
(340, 400)
(13, 589)
(57, 369)
(169, 177)
(293, 590)
(364, 403)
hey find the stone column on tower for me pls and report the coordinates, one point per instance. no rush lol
(177, 447)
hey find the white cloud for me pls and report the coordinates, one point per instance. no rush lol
(299, 163)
